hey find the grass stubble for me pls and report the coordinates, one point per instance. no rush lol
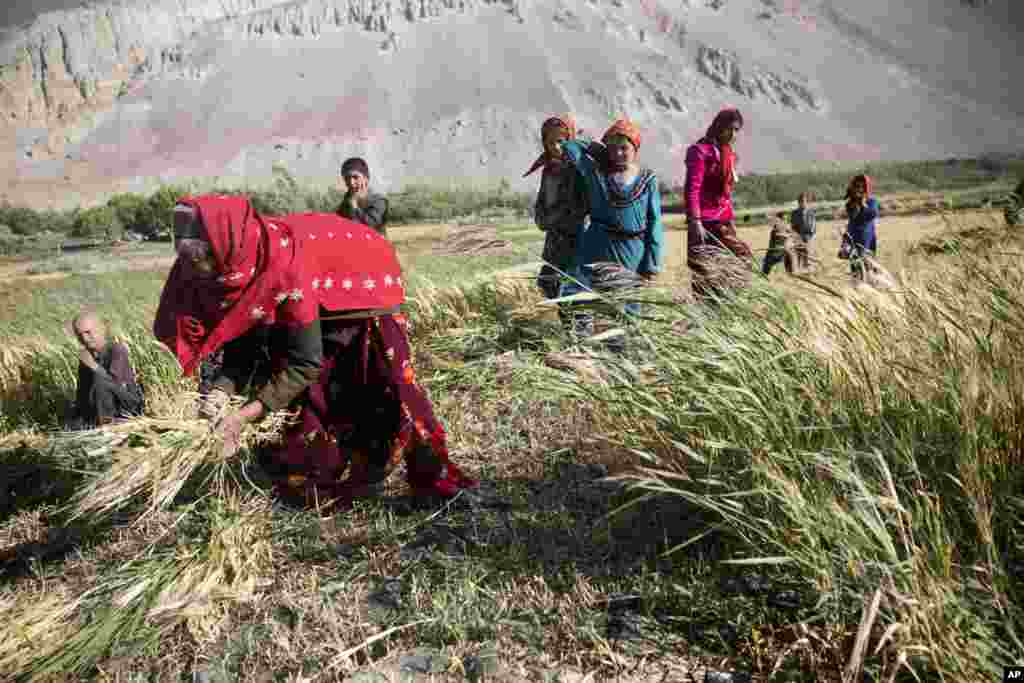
(861, 448)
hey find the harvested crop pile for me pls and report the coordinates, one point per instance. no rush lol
(211, 552)
(961, 236)
(475, 240)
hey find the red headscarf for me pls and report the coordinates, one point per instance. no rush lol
(271, 271)
(724, 119)
(866, 179)
(626, 128)
(566, 122)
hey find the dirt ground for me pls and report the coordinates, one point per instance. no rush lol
(895, 235)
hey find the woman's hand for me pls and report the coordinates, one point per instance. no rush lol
(212, 404)
(88, 360)
(700, 231)
(231, 426)
(231, 431)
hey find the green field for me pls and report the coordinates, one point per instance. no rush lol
(811, 468)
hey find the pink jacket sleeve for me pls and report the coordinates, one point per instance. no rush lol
(694, 180)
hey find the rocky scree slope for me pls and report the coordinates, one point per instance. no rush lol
(122, 94)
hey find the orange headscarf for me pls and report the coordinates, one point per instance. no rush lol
(723, 120)
(625, 128)
(566, 122)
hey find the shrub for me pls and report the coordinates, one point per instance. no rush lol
(99, 221)
(21, 220)
(157, 218)
(131, 211)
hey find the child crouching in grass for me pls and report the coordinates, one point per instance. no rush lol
(778, 246)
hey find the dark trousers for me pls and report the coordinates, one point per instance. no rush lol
(772, 258)
(103, 407)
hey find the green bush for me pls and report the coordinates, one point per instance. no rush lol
(158, 216)
(98, 222)
(21, 220)
(132, 211)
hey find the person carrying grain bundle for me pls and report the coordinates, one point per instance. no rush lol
(804, 224)
(860, 242)
(360, 204)
(107, 389)
(625, 210)
(712, 245)
(778, 246)
(306, 309)
(561, 207)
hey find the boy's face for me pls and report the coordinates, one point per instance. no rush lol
(355, 182)
(803, 202)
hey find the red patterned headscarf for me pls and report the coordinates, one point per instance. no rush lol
(866, 179)
(625, 128)
(270, 271)
(564, 122)
(723, 120)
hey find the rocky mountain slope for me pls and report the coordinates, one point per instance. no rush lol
(120, 94)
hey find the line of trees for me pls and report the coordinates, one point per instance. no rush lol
(150, 215)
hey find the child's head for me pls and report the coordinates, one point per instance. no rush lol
(355, 173)
(803, 199)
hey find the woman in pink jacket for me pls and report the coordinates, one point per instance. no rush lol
(711, 235)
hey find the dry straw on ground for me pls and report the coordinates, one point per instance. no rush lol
(477, 240)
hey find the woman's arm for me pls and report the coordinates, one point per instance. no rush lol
(239, 364)
(576, 152)
(870, 211)
(304, 358)
(694, 182)
(654, 235)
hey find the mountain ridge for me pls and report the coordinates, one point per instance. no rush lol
(121, 96)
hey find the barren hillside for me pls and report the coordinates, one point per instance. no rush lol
(121, 94)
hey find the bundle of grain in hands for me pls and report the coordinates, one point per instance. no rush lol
(148, 460)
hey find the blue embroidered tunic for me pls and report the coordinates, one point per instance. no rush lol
(625, 221)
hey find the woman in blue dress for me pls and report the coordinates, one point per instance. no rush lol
(860, 243)
(625, 209)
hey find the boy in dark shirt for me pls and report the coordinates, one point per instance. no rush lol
(360, 204)
(804, 224)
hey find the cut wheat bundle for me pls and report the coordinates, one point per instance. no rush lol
(149, 460)
(190, 583)
(37, 623)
